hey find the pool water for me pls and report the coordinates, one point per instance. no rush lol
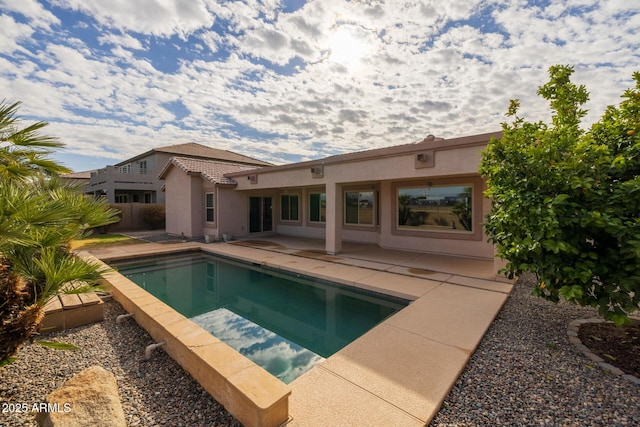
(284, 322)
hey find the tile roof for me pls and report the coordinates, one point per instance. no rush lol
(212, 170)
(78, 175)
(192, 149)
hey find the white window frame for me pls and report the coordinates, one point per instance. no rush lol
(211, 208)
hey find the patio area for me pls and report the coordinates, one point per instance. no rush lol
(399, 372)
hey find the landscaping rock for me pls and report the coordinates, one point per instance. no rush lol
(90, 398)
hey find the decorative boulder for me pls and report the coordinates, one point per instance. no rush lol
(90, 398)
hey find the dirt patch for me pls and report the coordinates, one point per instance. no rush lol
(618, 346)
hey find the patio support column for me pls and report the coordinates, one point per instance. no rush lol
(333, 226)
(110, 193)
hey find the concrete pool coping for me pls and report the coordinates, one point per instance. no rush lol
(399, 372)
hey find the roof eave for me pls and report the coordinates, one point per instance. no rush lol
(460, 142)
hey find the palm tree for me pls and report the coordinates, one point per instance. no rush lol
(23, 151)
(39, 216)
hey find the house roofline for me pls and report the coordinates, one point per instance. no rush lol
(426, 144)
(166, 149)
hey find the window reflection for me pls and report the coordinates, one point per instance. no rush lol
(317, 207)
(359, 207)
(437, 208)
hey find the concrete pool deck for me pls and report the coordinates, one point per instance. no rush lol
(399, 372)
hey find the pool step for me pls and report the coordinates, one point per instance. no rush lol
(72, 310)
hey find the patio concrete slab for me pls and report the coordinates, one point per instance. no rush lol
(420, 272)
(397, 285)
(472, 267)
(467, 297)
(340, 273)
(319, 395)
(445, 323)
(142, 249)
(296, 264)
(371, 265)
(377, 254)
(490, 285)
(409, 371)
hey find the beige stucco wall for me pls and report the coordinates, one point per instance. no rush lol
(452, 160)
(196, 205)
(185, 204)
(178, 216)
(232, 212)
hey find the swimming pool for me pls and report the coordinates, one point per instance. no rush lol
(286, 323)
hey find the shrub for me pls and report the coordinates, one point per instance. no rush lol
(154, 216)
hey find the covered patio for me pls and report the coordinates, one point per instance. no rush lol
(371, 256)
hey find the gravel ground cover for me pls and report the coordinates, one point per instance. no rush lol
(157, 392)
(525, 372)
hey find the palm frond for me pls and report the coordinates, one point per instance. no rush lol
(60, 268)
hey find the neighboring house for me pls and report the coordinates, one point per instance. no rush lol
(135, 180)
(426, 196)
(79, 179)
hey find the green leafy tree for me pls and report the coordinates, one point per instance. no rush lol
(566, 202)
(39, 216)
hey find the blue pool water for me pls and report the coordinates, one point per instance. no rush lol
(285, 323)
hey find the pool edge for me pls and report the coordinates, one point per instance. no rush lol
(246, 390)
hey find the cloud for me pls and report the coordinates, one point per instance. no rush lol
(33, 11)
(122, 40)
(13, 34)
(281, 357)
(248, 77)
(160, 18)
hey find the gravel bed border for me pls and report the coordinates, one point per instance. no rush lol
(572, 333)
(155, 392)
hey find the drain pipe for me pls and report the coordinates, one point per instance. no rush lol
(121, 317)
(151, 347)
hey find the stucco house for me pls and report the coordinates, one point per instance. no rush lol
(135, 180)
(77, 179)
(425, 196)
(192, 187)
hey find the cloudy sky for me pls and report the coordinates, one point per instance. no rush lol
(292, 80)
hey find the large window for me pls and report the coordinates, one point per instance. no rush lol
(359, 207)
(317, 207)
(289, 207)
(209, 207)
(436, 208)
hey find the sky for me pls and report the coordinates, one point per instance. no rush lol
(292, 80)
